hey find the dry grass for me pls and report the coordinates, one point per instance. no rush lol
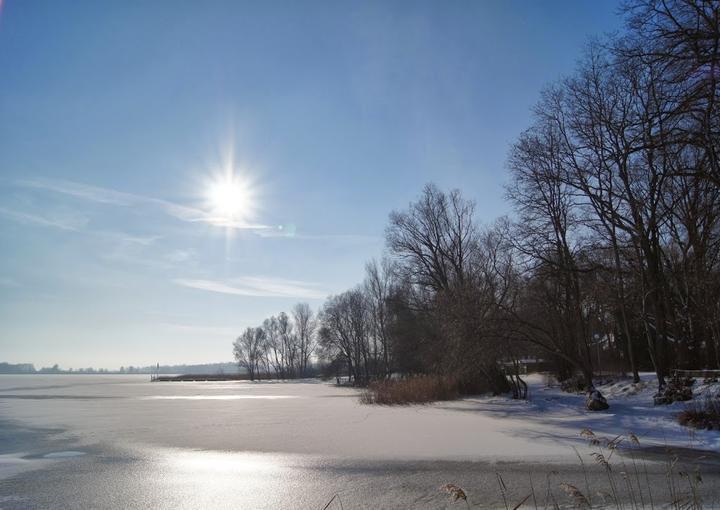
(702, 415)
(414, 390)
(628, 483)
(454, 491)
(578, 497)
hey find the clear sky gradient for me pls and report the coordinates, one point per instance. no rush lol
(117, 117)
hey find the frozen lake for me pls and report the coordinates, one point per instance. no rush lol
(121, 441)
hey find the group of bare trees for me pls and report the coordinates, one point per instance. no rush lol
(453, 277)
(429, 306)
(616, 186)
(282, 346)
(612, 254)
(354, 333)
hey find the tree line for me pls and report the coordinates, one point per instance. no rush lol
(610, 259)
(282, 346)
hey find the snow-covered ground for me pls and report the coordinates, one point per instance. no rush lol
(550, 413)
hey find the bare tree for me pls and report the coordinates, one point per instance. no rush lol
(288, 345)
(248, 350)
(275, 346)
(436, 245)
(378, 286)
(345, 332)
(305, 325)
(681, 38)
(434, 238)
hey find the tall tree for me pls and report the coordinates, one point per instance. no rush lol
(248, 350)
(305, 325)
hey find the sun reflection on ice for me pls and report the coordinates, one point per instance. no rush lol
(212, 479)
(218, 397)
(204, 463)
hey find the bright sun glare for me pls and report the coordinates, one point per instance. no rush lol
(230, 197)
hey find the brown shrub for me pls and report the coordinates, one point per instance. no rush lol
(414, 390)
(702, 415)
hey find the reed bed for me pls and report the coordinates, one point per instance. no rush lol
(628, 482)
(626, 486)
(413, 390)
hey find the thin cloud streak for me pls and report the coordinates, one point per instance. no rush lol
(76, 223)
(279, 233)
(230, 223)
(109, 196)
(353, 238)
(257, 287)
(142, 241)
(79, 190)
(120, 198)
(203, 331)
(9, 283)
(69, 224)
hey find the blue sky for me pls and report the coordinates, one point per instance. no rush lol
(117, 117)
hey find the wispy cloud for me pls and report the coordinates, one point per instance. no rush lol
(141, 240)
(73, 223)
(178, 256)
(83, 191)
(202, 330)
(257, 287)
(349, 238)
(279, 232)
(120, 198)
(8, 282)
(181, 212)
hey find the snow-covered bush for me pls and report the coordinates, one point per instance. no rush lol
(574, 384)
(595, 401)
(678, 389)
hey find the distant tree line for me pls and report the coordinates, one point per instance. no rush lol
(17, 368)
(204, 369)
(29, 368)
(199, 369)
(610, 260)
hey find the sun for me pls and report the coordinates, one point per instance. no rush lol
(230, 197)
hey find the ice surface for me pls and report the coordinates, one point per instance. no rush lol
(312, 417)
(63, 455)
(238, 445)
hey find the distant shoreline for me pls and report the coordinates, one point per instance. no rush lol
(199, 377)
(222, 367)
(71, 373)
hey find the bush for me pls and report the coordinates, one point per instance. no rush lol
(679, 389)
(574, 384)
(702, 415)
(414, 390)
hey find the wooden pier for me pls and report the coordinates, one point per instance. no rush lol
(199, 377)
